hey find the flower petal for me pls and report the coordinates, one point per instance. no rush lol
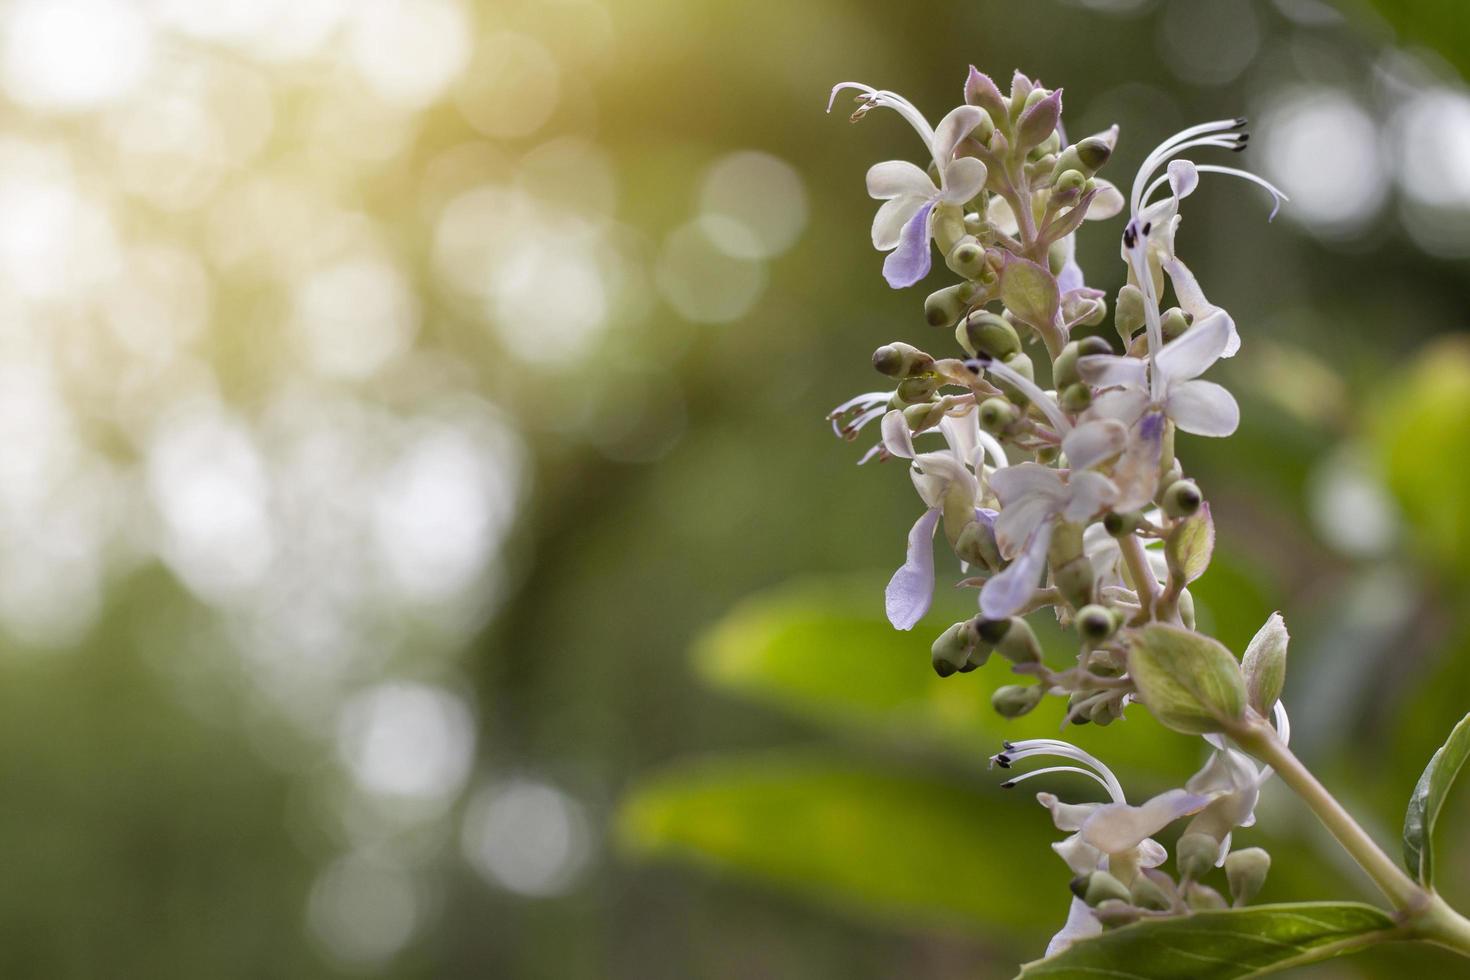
(898, 178)
(1151, 854)
(1202, 407)
(889, 222)
(1107, 204)
(909, 263)
(1091, 494)
(911, 589)
(1004, 594)
(1200, 346)
(1183, 178)
(1024, 480)
(955, 126)
(1081, 924)
(1118, 827)
(1093, 442)
(962, 180)
(1137, 470)
(1066, 816)
(1080, 856)
(897, 437)
(1110, 370)
(1123, 404)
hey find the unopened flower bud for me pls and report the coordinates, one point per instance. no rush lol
(1047, 455)
(1068, 188)
(1038, 119)
(1019, 645)
(1196, 854)
(997, 414)
(1172, 474)
(1075, 398)
(981, 90)
(1096, 623)
(1128, 314)
(1015, 700)
(976, 545)
(1113, 914)
(967, 258)
(1148, 894)
(1122, 523)
(1174, 322)
(1105, 709)
(900, 360)
(992, 631)
(1099, 887)
(917, 389)
(983, 332)
(1246, 869)
(1182, 499)
(1021, 364)
(1093, 153)
(944, 307)
(1186, 609)
(951, 652)
(1264, 664)
(1064, 371)
(923, 416)
(1203, 898)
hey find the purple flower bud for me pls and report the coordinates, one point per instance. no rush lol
(981, 90)
(1039, 121)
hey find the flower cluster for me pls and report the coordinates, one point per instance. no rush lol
(1057, 484)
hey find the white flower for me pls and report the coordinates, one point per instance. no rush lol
(903, 224)
(948, 481)
(1168, 381)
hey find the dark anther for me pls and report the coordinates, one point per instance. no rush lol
(1129, 238)
(1004, 761)
(1239, 121)
(1008, 784)
(1147, 226)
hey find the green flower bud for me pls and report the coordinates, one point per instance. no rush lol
(967, 258)
(1070, 569)
(1128, 316)
(1122, 523)
(1021, 364)
(1068, 188)
(923, 416)
(992, 631)
(1174, 322)
(1264, 664)
(1019, 645)
(1203, 898)
(976, 545)
(996, 415)
(1167, 479)
(1048, 455)
(951, 652)
(900, 360)
(1246, 869)
(948, 226)
(1096, 623)
(1186, 608)
(1113, 914)
(1148, 894)
(1182, 499)
(944, 307)
(1064, 370)
(1099, 887)
(917, 389)
(1015, 700)
(985, 332)
(1196, 854)
(1105, 709)
(975, 224)
(1093, 152)
(1075, 398)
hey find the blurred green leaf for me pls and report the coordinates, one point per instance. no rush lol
(906, 846)
(1422, 439)
(1429, 796)
(1220, 945)
(1189, 681)
(1437, 24)
(823, 651)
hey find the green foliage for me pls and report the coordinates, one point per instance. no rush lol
(1429, 797)
(1220, 945)
(823, 651)
(1190, 546)
(1189, 682)
(1030, 293)
(911, 847)
(1437, 24)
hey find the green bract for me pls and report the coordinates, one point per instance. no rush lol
(1189, 682)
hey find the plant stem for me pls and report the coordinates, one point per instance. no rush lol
(1443, 926)
(1406, 894)
(1141, 574)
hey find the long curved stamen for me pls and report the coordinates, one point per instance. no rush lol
(1283, 732)
(1276, 194)
(1051, 769)
(1231, 143)
(993, 447)
(1152, 162)
(1025, 749)
(1138, 257)
(891, 100)
(872, 403)
(1029, 388)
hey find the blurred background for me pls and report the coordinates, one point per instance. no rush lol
(422, 553)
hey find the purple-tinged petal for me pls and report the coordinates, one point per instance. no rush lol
(1116, 827)
(1137, 470)
(911, 589)
(909, 263)
(892, 216)
(1081, 924)
(981, 90)
(1093, 442)
(1005, 594)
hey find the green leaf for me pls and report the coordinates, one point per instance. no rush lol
(1190, 546)
(1189, 682)
(1030, 292)
(1427, 799)
(823, 651)
(900, 846)
(1440, 25)
(1220, 945)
